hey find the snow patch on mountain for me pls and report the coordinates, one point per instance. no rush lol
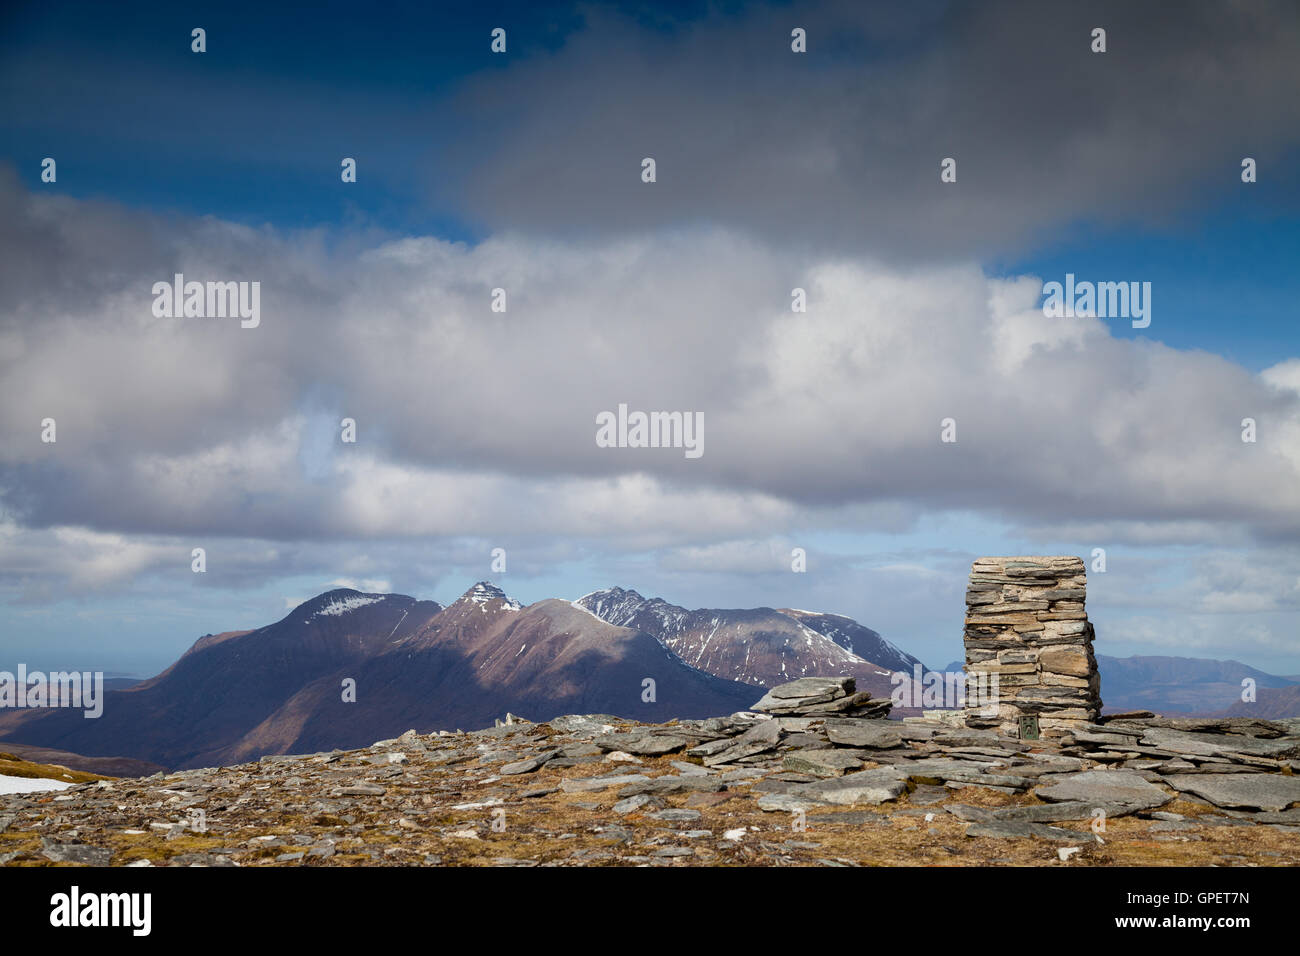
(484, 593)
(340, 606)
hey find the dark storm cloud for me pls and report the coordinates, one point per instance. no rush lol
(841, 147)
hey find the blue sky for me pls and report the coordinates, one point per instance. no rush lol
(775, 170)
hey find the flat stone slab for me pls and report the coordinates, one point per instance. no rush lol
(527, 766)
(1006, 830)
(1098, 787)
(823, 763)
(1247, 791)
(75, 853)
(874, 734)
(1214, 745)
(589, 784)
(644, 745)
(1054, 812)
(815, 687)
(787, 802)
(675, 815)
(760, 738)
(866, 786)
(634, 803)
(696, 783)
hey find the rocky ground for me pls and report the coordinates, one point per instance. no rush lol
(817, 779)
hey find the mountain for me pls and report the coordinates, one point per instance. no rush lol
(855, 638)
(227, 684)
(1271, 703)
(414, 665)
(1181, 685)
(485, 655)
(760, 646)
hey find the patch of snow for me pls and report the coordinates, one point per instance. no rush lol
(482, 593)
(340, 606)
(588, 610)
(30, 784)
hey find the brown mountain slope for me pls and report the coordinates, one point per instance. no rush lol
(483, 656)
(220, 690)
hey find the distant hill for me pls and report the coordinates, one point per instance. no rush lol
(1179, 685)
(1191, 686)
(1270, 704)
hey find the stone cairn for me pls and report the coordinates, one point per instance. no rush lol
(1026, 629)
(819, 697)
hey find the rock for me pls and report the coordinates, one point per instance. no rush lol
(364, 790)
(1250, 791)
(1055, 812)
(1069, 659)
(386, 759)
(696, 800)
(825, 688)
(925, 794)
(689, 769)
(634, 803)
(865, 786)
(673, 851)
(1005, 830)
(673, 784)
(787, 802)
(583, 749)
(1213, 745)
(968, 813)
(589, 784)
(617, 756)
(1098, 787)
(75, 853)
(675, 815)
(873, 734)
(528, 765)
(643, 745)
(760, 738)
(1166, 825)
(823, 763)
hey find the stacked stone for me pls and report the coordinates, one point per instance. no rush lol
(1026, 624)
(813, 697)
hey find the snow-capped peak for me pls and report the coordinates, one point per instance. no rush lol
(486, 592)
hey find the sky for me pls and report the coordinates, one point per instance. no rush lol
(522, 170)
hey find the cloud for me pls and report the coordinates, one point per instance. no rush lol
(475, 423)
(840, 147)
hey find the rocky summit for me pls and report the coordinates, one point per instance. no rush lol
(811, 775)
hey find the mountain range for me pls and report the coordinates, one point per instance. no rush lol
(760, 646)
(347, 668)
